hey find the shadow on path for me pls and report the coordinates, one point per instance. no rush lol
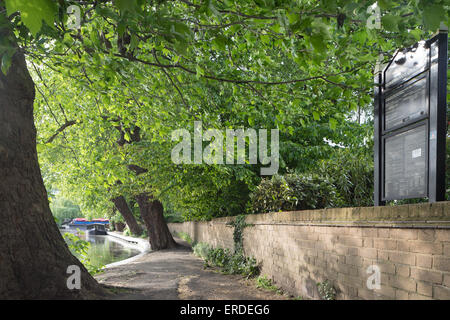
(177, 274)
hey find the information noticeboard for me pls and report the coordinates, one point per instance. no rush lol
(410, 123)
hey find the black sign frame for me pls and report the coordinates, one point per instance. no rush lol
(435, 72)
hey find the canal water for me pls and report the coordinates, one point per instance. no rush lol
(104, 250)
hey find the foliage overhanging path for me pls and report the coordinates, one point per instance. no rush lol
(304, 67)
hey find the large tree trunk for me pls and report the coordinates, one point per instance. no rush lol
(33, 255)
(122, 205)
(152, 214)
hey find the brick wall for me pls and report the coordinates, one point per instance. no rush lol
(410, 245)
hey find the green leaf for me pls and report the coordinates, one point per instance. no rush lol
(318, 43)
(121, 28)
(220, 42)
(416, 33)
(200, 71)
(265, 39)
(316, 115)
(333, 123)
(40, 147)
(384, 4)
(291, 130)
(125, 5)
(390, 22)
(432, 16)
(134, 42)
(33, 12)
(302, 122)
(360, 36)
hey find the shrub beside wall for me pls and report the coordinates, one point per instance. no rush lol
(343, 181)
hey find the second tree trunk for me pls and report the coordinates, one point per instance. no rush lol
(152, 214)
(122, 205)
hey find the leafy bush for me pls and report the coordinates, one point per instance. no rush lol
(80, 248)
(127, 231)
(326, 290)
(144, 234)
(116, 220)
(213, 191)
(351, 174)
(230, 263)
(312, 191)
(201, 250)
(293, 192)
(345, 180)
(226, 261)
(262, 282)
(272, 195)
(171, 215)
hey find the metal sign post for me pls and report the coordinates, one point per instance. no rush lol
(410, 123)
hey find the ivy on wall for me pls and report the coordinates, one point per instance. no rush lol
(239, 225)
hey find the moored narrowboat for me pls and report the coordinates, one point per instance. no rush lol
(96, 229)
(84, 224)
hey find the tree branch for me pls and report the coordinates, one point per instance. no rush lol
(61, 129)
(236, 81)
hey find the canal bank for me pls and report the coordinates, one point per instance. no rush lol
(104, 250)
(134, 243)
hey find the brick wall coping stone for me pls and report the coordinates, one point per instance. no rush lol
(424, 215)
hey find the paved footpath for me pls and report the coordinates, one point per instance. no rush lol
(178, 274)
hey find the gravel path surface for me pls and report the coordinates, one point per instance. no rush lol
(178, 274)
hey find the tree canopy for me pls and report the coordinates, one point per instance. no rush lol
(146, 68)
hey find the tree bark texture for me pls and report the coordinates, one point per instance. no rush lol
(152, 214)
(33, 255)
(122, 205)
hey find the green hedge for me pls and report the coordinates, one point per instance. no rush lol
(343, 181)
